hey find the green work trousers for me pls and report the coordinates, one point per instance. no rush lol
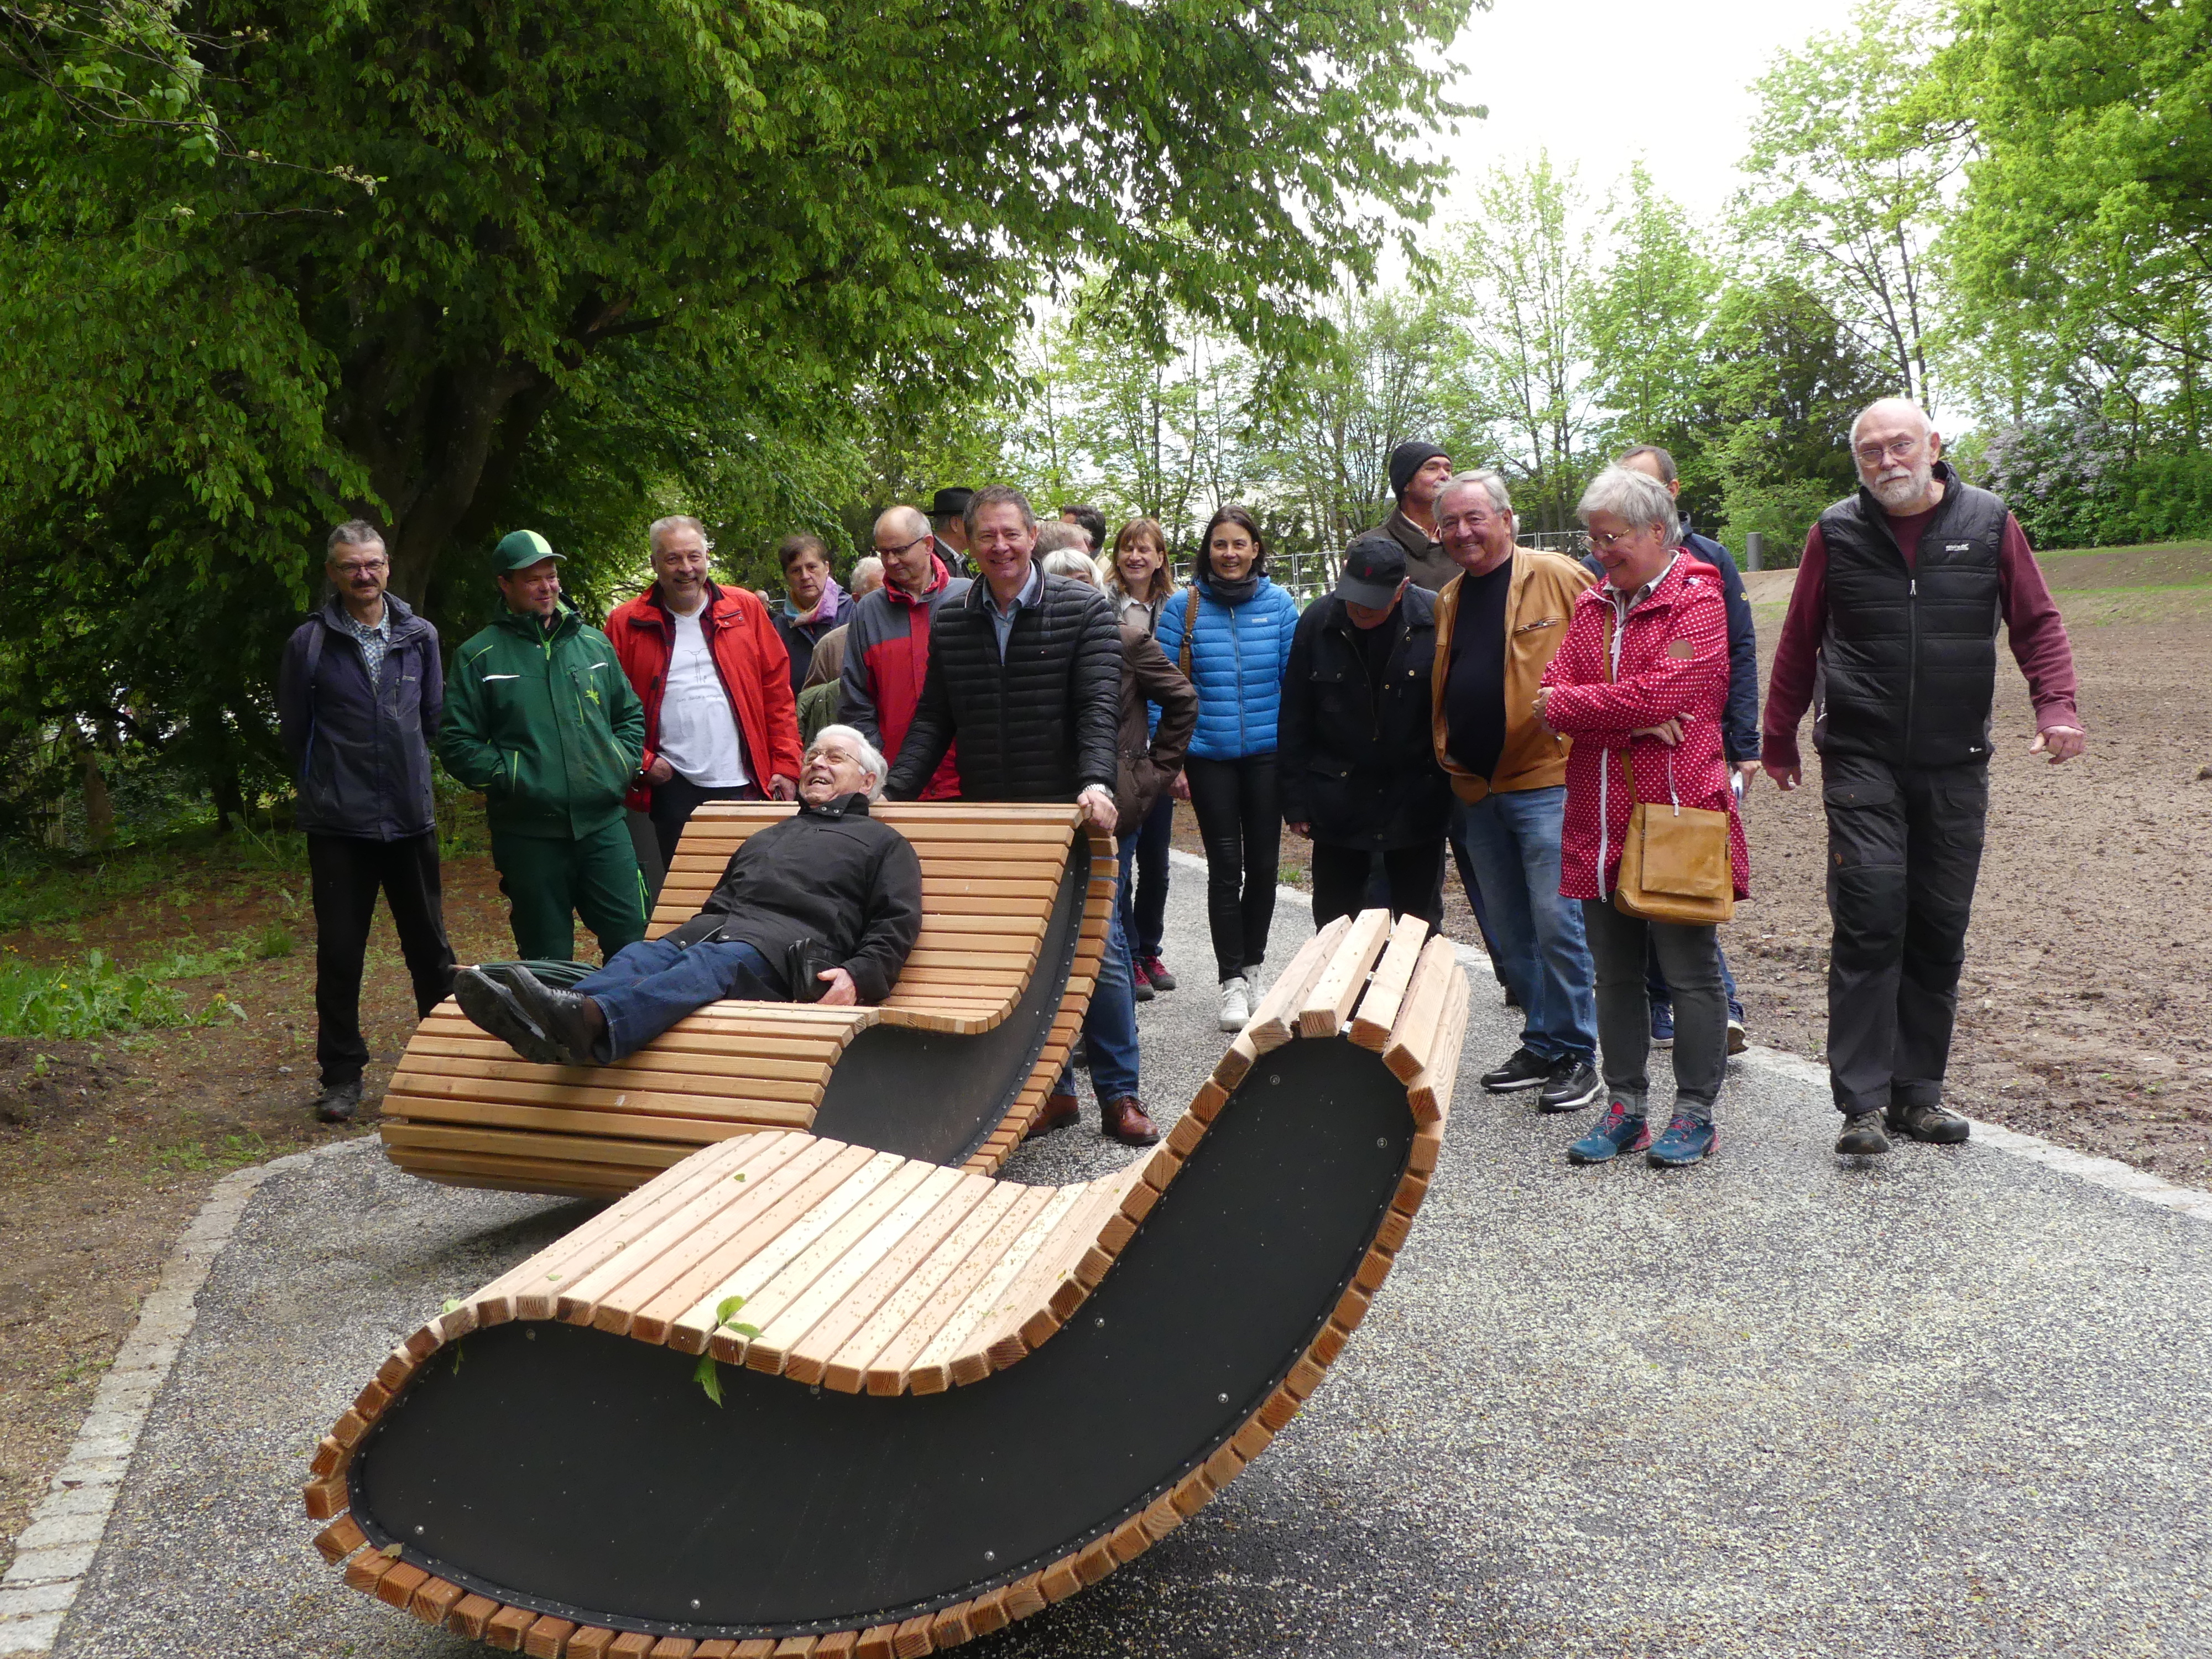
(549, 881)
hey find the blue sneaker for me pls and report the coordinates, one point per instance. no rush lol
(1687, 1139)
(1616, 1133)
(1662, 1024)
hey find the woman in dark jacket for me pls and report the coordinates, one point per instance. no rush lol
(1359, 774)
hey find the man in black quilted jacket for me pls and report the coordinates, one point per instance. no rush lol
(1025, 672)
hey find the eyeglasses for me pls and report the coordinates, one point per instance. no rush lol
(893, 552)
(1605, 541)
(363, 568)
(1896, 448)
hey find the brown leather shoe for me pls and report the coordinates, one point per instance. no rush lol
(1125, 1120)
(1060, 1111)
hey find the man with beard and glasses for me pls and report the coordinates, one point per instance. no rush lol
(1896, 610)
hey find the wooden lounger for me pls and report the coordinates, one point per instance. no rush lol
(953, 1067)
(945, 1401)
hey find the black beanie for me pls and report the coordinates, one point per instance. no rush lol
(1406, 459)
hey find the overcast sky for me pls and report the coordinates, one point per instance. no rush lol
(1598, 82)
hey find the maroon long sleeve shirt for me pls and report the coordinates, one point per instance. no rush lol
(2038, 633)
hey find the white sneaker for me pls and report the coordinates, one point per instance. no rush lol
(1236, 1005)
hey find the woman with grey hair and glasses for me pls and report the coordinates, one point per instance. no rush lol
(1639, 683)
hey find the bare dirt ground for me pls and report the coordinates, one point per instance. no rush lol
(108, 1148)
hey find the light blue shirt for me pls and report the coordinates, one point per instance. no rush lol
(1003, 621)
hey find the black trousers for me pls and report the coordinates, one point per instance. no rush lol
(1412, 878)
(345, 874)
(676, 800)
(1240, 819)
(1904, 849)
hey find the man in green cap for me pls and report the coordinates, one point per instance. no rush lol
(541, 718)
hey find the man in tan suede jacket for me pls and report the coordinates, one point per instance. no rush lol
(1497, 623)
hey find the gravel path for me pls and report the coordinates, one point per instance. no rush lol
(1951, 1402)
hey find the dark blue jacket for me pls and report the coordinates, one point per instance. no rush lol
(1739, 717)
(360, 755)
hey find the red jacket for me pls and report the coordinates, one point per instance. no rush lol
(747, 654)
(887, 659)
(1674, 664)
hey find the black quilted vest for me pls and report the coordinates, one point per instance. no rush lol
(1909, 658)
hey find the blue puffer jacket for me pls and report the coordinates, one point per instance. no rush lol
(1238, 653)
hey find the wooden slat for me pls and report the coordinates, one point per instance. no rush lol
(1328, 1000)
(662, 1243)
(892, 1370)
(1378, 1009)
(875, 1295)
(1414, 1035)
(846, 1265)
(933, 1370)
(1273, 1022)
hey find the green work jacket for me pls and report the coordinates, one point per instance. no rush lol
(546, 725)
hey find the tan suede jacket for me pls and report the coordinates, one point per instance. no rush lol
(1538, 604)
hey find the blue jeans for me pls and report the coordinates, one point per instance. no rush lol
(1109, 1024)
(1512, 840)
(652, 984)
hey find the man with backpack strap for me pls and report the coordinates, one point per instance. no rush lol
(358, 697)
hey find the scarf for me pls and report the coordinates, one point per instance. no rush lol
(1235, 592)
(825, 608)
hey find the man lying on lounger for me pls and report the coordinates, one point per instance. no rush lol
(822, 908)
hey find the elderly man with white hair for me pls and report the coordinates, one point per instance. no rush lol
(1497, 623)
(1897, 605)
(823, 907)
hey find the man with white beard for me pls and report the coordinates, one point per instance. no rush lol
(1896, 608)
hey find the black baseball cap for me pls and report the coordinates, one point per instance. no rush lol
(1373, 568)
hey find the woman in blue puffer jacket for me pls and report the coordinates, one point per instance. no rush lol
(1229, 632)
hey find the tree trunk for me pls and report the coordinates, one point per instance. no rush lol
(99, 804)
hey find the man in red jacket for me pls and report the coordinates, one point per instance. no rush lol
(712, 672)
(887, 640)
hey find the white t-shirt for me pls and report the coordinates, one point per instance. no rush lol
(698, 729)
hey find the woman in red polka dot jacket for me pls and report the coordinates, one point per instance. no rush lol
(1639, 683)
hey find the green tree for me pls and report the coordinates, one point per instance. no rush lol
(1519, 275)
(1326, 427)
(2082, 247)
(1780, 379)
(1847, 187)
(1646, 313)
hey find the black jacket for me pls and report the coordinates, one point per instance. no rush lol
(361, 754)
(829, 873)
(1039, 726)
(1359, 768)
(1909, 662)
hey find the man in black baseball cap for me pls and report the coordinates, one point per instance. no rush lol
(1418, 471)
(948, 518)
(1358, 761)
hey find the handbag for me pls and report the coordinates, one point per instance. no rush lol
(1674, 862)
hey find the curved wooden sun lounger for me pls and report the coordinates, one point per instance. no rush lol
(953, 1067)
(945, 1401)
